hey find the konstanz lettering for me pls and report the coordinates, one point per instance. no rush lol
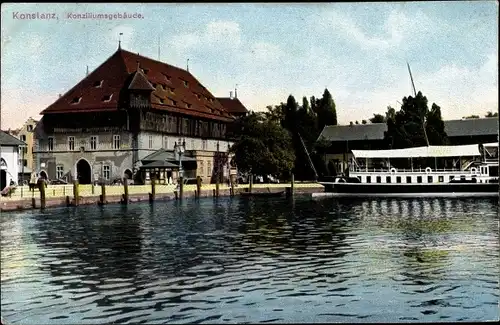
(91, 15)
(34, 16)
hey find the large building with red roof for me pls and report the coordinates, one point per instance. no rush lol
(127, 109)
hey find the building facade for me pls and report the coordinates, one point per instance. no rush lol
(9, 159)
(128, 108)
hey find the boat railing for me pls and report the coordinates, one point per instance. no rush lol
(404, 170)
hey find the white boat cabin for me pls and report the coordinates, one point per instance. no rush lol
(424, 165)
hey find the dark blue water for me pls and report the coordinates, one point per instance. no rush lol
(244, 260)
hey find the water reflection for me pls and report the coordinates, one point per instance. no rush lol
(245, 260)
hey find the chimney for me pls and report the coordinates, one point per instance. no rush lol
(231, 94)
(60, 95)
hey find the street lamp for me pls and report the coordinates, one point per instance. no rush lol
(179, 150)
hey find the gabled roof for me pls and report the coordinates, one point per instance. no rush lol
(232, 105)
(140, 82)
(354, 132)
(175, 90)
(471, 127)
(160, 164)
(164, 155)
(8, 140)
(375, 131)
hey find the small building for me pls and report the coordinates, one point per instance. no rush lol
(9, 159)
(344, 138)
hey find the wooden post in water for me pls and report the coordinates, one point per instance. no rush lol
(41, 188)
(76, 192)
(198, 186)
(291, 184)
(181, 187)
(153, 189)
(232, 188)
(250, 183)
(103, 193)
(125, 190)
(217, 186)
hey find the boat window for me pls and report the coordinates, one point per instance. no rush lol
(419, 179)
(452, 177)
(430, 179)
(398, 179)
(368, 179)
(388, 179)
(379, 179)
(408, 179)
(494, 171)
(441, 179)
(462, 177)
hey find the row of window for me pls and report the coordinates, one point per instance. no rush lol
(94, 143)
(430, 179)
(106, 172)
(201, 168)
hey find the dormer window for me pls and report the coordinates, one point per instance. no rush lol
(185, 83)
(145, 71)
(107, 98)
(188, 105)
(174, 103)
(171, 89)
(76, 100)
(98, 84)
(198, 96)
(167, 77)
(162, 101)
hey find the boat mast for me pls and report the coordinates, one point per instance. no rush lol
(415, 95)
(309, 157)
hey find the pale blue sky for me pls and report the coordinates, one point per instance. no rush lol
(357, 50)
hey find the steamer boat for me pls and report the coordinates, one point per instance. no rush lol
(465, 171)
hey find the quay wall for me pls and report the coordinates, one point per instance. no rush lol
(62, 195)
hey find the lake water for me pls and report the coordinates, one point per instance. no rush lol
(243, 260)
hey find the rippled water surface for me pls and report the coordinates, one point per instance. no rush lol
(244, 260)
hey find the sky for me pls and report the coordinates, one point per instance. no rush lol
(356, 50)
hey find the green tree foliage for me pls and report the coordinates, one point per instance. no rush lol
(263, 146)
(406, 129)
(491, 114)
(363, 122)
(377, 118)
(326, 110)
(471, 116)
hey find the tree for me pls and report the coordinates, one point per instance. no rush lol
(363, 122)
(470, 117)
(262, 146)
(377, 118)
(327, 113)
(415, 125)
(491, 114)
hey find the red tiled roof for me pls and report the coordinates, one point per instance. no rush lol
(175, 89)
(232, 105)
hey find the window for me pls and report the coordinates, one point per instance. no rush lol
(441, 179)
(116, 142)
(107, 98)
(430, 179)
(50, 144)
(192, 144)
(185, 83)
(165, 142)
(452, 177)
(76, 100)
(93, 143)
(23, 138)
(150, 142)
(388, 179)
(368, 179)
(209, 168)
(59, 172)
(204, 144)
(379, 179)
(398, 179)
(30, 128)
(200, 168)
(98, 84)
(419, 179)
(71, 143)
(25, 150)
(408, 179)
(106, 171)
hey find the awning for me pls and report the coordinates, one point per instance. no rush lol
(418, 152)
(160, 164)
(494, 144)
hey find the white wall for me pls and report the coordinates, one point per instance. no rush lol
(11, 156)
(191, 143)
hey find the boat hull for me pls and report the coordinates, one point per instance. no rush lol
(412, 190)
